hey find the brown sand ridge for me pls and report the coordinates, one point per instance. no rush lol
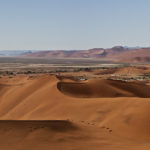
(104, 88)
(73, 115)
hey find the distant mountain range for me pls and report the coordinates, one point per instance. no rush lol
(6, 53)
(115, 54)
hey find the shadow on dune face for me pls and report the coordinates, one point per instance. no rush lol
(104, 88)
(53, 125)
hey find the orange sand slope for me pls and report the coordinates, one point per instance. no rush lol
(120, 121)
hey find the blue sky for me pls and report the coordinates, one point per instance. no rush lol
(73, 24)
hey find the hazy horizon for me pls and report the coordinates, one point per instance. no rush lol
(134, 47)
(73, 24)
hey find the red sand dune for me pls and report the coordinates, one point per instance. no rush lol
(120, 122)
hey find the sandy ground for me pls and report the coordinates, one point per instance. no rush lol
(42, 113)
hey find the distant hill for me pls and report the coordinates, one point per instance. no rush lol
(6, 53)
(117, 54)
(91, 53)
